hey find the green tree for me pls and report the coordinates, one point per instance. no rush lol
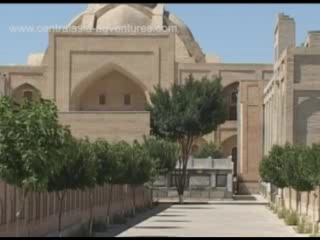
(140, 168)
(272, 169)
(73, 174)
(298, 169)
(110, 158)
(264, 169)
(120, 152)
(30, 145)
(208, 150)
(88, 175)
(315, 166)
(184, 113)
(164, 153)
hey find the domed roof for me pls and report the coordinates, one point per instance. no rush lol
(121, 16)
(116, 15)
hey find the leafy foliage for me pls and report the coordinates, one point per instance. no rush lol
(30, 143)
(192, 109)
(208, 150)
(140, 165)
(297, 168)
(186, 112)
(79, 170)
(164, 152)
(272, 167)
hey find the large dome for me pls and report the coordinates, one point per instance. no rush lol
(113, 15)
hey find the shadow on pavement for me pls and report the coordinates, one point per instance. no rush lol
(116, 229)
(171, 221)
(158, 227)
(148, 236)
(170, 215)
(197, 208)
(244, 198)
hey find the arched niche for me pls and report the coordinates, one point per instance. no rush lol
(110, 88)
(25, 91)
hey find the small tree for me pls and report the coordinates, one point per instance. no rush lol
(140, 168)
(164, 153)
(208, 150)
(264, 169)
(70, 176)
(184, 113)
(314, 159)
(86, 171)
(298, 171)
(272, 168)
(30, 145)
(110, 161)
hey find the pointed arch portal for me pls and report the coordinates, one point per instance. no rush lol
(120, 89)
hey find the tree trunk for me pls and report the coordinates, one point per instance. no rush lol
(300, 203)
(308, 201)
(124, 200)
(186, 145)
(18, 214)
(318, 203)
(314, 214)
(91, 212)
(290, 198)
(134, 199)
(297, 201)
(152, 185)
(109, 204)
(181, 198)
(60, 199)
(282, 199)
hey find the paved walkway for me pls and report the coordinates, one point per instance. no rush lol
(212, 220)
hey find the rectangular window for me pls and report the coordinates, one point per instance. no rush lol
(221, 180)
(127, 99)
(102, 99)
(28, 95)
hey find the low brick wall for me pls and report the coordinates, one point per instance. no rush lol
(41, 209)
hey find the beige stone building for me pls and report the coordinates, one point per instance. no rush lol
(101, 81)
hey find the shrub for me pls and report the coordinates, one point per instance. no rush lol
(291, 218)
(282, 213)
(208, 150)
(301, 225)
(316, 230)
(308, 228)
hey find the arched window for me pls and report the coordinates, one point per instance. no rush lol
(28, 94)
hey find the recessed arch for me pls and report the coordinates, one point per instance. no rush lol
(101, 73)
(18, 93)
(228, 145)
(306, 121)
(231, 96)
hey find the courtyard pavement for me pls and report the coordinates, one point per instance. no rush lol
(211, 220)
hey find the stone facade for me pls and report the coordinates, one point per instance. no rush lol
(101, 81)
(206, 179)
(291, 97)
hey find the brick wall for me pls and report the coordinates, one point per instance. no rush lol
(40, 216)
